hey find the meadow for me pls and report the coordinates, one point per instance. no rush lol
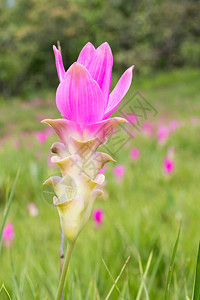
(143, 211)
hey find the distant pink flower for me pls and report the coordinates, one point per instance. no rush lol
(33, 210)
(173, 125)
(135, 153)
(194, 121)
(132, 118)
(98, 216)
(148, 129)
(119, 172)
(163, 133)
(168, 165)
(8, 235)
(41, 136)
(16, 144)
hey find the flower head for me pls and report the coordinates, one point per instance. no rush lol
(33, 210)
(97, 216)
(119, 172)
(8, 235)
(135, 153)
(168, 165)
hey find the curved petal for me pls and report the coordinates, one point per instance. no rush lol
(86, 55)
(100, 67)
(119, 92)
(64, 129)
(101, 129)
(59, 63)
(79, 97)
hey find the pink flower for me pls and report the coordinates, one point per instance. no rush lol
(132, 118)
(135, 153)
(162, 135)
(147, 128)
(33, 210)
(173, 125)
(83, 96)
(16, 144)
(119, 172)
(41, 136)
(168, 165)
(98, 216)
(8, 235)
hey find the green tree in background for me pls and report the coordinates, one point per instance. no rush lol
(151, 34)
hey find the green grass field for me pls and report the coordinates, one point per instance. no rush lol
(142, 213)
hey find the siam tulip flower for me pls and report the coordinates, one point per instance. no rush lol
(173, 125)
(119, 172)
(83, 97)
(98, 216)
(16, 144)
(8, 235)
(168, 166)
(148, 129)
(135, 153)
(132, 118)
(163, 133)
(33, 210)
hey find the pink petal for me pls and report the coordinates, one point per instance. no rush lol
(64, 129)
(101, 129)
(59, 63)
(86, 55)
(100, 67)
(119, 92)
(79, 97)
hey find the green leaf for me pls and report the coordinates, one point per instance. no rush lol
(196, 293)
(171, 267)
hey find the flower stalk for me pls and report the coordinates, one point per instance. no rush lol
(61, 286)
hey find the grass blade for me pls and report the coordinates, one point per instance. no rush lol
(7, 207)
(196, 293)
(171, 267)
(4, 295)
(115, 281)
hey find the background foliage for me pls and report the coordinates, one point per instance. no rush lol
(152, 34)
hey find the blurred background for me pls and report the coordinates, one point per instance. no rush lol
(153, 34)
(154, 185)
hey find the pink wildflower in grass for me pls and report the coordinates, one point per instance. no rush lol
(119, 172)
(173, 125)
(163, 133)
(168, 166)
(135, 153)
(132, 118)
(8, 235)
(98, 216)
(16, 144)
(33, 210)
(148, 129)
(194, 121)
(41, 136)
